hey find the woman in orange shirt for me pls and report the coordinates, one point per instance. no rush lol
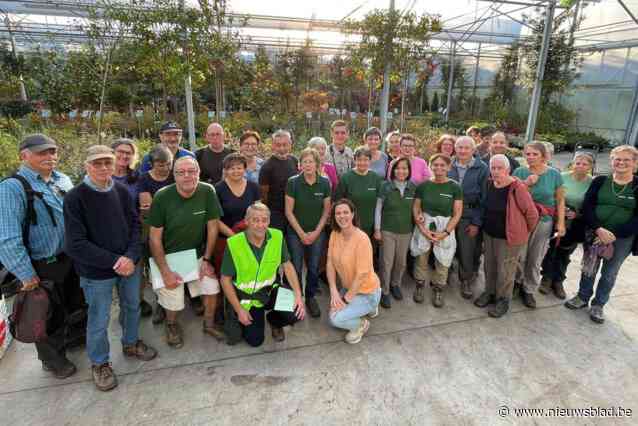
(350, 256)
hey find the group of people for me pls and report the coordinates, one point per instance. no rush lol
(358, 220)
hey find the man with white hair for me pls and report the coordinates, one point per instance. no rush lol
(211, 157)
(471, 173)
(185, 216)
(274, 175)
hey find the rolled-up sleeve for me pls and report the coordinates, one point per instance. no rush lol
(13, 253)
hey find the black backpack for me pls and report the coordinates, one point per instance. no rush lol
(9, 284)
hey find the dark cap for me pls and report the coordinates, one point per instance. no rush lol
(170, 127)
(37, 143)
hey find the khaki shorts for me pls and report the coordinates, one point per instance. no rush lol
(173, 299)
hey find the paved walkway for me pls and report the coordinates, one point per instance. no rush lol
(418, 365)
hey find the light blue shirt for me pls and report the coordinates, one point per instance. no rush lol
(253, 175)
(45, 239)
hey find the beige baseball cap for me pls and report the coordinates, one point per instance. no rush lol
(97, 152)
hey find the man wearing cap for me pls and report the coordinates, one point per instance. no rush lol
(170, 136)
(211, 157)
(34, 252)
(103, 239)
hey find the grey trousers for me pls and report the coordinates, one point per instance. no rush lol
(468, 251)
(529, 266)
(394, 253)
(500, 263)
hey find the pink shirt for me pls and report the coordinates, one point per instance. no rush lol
(330, 171)
(420, 170)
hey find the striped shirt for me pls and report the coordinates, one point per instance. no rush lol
(45, 240)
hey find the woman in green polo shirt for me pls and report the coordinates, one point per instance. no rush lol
(577, 181)
(361, 186)
(610, 212)
(545, 183)
(393, 226)
(307, 211)
(440, 197)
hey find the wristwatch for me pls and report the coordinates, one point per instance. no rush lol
(207, 259)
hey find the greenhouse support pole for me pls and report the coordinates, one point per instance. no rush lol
(450, 84)
(540, 72)
(476, 75)
(631, 130)
(190, 112)
(385, 94)
(23, 90)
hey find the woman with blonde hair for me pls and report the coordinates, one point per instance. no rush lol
(610, 212)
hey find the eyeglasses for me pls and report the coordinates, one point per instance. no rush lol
(182, 173)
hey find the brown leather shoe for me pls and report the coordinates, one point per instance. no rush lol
(546, 286)
(559, 290)
(174, 335)
(104, 377)
(213, 331)
(278, 334)
(140, 351)
(64, 370)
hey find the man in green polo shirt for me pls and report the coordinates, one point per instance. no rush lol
(249, 270)
(185, 216)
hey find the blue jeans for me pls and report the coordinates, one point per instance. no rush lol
(349, 318)
(608, 273)
(99, 296)
(313, 252)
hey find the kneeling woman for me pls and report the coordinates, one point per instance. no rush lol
(350, 256)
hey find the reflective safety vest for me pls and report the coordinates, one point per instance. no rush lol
(250, 275)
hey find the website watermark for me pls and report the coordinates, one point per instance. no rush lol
(561, 412)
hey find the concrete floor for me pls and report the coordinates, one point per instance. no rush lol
(418, 365)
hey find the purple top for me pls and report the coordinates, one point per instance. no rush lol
(331, 172)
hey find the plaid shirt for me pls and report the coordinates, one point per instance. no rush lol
(343, 161)
(45, 240)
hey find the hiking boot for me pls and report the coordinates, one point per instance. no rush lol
(140, 351)
(559, 290)
(437, 297)
(546, 286)
(64, 370)
(419, 291)
(466, 289)
(484, 299)
(576, 303)
(198, 306)
(385, 302)
(146, 310)
(159, 315)
(174, 335)
(528, 299)
(104, 377)
(313, 307)
(395, 290)
(499, 309)
(278, 334)
(596, 314)
(355, 336)
(213, 330)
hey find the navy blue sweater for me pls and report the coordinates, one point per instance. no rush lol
(100, 227)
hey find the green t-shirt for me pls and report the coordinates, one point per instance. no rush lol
(228, 267)
(544, 191)
(308, 199)
(396, 215)
(437, 199)
(363, 192)
(615, 206)
(184, 219)
(575, 190)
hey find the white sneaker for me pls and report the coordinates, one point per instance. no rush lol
(355, 336)
(374, 313)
